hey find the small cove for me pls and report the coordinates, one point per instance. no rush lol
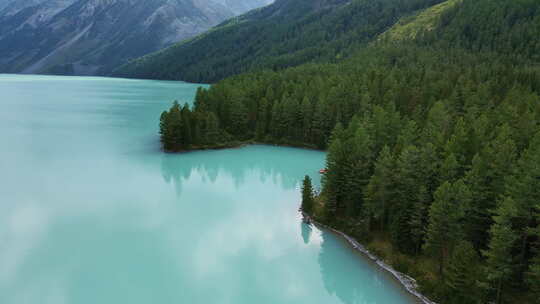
(93, 212)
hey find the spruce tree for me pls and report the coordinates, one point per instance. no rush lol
(171, 128)
(239, 120)
(380, 192)
(524, 188)
(408, 178)
(164, 130)
(408, 136)
(358, 169)
(307, 196)
(438, 125)
(489, 171)
(384, 126)
(463, 275)
(449, 170)
(445, 229)
(533, 276)
(262, 120)
(418, 219)
(307, 119)
(212, 130)
(335, 175)
(459, 146)
(187, 133)
(500, 261)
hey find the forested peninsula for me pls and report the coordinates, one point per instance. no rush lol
(433, 139)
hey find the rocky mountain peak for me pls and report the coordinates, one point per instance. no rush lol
(94, 36)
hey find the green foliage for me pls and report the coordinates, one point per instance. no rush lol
(307, 195)
(507, 27)
(182, 129)
(464, 273)
(445, 229)
(285, 34)
(500, 262)
(533, 276)
(433, 141)
(410, 27)
(380, 192)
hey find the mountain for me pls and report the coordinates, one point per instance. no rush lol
(286, 33)
(16, 4)
(88, 37)
(5, 3)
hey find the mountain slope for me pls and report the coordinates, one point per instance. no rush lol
(10, 7)
(426, 20)
(94, 36)
(286, 33)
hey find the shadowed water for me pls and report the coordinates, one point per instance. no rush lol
(91, 211)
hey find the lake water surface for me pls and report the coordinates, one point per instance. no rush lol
(91, 211)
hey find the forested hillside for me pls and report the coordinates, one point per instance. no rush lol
(433, 145)
(284, 34)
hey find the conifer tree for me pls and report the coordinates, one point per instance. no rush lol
(408, 136)
(458, 145)
(445, 229)
(533, 273)
(335, 176)
(463, 274)
(533, 277)
(449, 170)
(276, 120)
(500, 259)
(489, 171)
(418, 219)
(524, 188)
(212, 129)
(380, 192)
(187, 135)
(307, 195)
(438, 125)
(262, 119)
(164, 130)
(239, 120)
(358, 169)
(321, 123)
(385, 125)
(307, 119)
(171, 128)
(408, 179)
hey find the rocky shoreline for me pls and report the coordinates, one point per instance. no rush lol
(408, 282)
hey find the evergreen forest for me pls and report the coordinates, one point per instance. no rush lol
(432, 132)
(286, 34)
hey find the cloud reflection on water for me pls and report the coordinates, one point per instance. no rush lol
(92, 211)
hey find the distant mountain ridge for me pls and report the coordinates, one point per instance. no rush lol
(91, 37)
(284, 34)
(11, 7)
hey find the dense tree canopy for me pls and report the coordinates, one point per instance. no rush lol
(285, 34)
(434, 141)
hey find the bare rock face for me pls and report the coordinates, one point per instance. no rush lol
(238, 7)
(91, 37)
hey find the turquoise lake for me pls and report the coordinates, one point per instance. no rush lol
(91, 210)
